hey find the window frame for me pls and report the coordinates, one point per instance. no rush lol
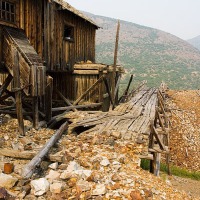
(7, 11)
(70, 36)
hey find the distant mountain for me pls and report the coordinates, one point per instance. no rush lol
(195, 42)
(149, 54)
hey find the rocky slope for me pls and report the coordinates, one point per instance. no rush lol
(149, 54)
(185, 132)
(93, 167)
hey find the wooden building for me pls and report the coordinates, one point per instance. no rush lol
(60, 34)
(48, 44)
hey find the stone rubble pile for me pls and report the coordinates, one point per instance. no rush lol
(93, 167)
(185, 130)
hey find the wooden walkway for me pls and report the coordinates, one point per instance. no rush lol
(142, 121)
(128, 121)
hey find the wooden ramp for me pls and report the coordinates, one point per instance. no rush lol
(128, 121)
(142, 121)
(18, 52)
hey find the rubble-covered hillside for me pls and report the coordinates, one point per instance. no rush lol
(185, 131)
(91, 167)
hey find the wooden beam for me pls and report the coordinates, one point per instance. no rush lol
(88, 90)
(65, 99)
(14, 112)
(128, 86)
(35, 113)
(122, 98)
(116, 92)
(108, 90)
(5, 84)
(156, 150)
(158, 138)
(48, 98)
(27, 155)
(60, 117)
(115, 61)
(28, 170)
(86, 72)
(68, 108)
(157, 159)
(160, 120)
(18, 94)
(148, 157)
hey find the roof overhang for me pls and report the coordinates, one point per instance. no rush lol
(66, 6)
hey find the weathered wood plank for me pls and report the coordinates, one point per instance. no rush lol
(18, 95)
(28, 170)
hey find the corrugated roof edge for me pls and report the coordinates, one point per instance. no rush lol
(67, 6)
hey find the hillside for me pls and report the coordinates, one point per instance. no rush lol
(149, 54)
(195, 42)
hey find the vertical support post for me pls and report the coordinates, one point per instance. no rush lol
(151, 141)
(151, 144)
(115, 100)
(108, 90)
(152, 163)
(157, 164)
(48, 98)
(106, 103)
(35, 112)
(115, 61)
(18, 95)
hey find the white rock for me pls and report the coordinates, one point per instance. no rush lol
(7, 181)
(66, 175)
(116, 134)
(56, 188)
(83, 173)
(53, 166)
(105, 162)
(99, 190)
(155, 191)
(6, 137)
(168, 182)
(53, 175)
(83, 185)
(40, 186)
(116, 163)
(73, 166)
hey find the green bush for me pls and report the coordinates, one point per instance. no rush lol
(176, 171)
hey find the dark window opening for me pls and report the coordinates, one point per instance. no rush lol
(69, 33)
(7, 11)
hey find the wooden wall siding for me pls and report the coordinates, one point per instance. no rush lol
(73, 86)
(1, 40)
(44, 23)
(31, 20)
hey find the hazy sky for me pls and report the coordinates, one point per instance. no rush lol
(178, 17)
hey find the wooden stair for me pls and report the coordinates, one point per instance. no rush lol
(18, 51)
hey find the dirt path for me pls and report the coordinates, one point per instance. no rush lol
(190, 186)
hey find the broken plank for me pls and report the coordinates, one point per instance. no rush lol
(28, 170)
(26, 155)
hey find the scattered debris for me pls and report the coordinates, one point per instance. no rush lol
(88, 166)
(185, 132)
